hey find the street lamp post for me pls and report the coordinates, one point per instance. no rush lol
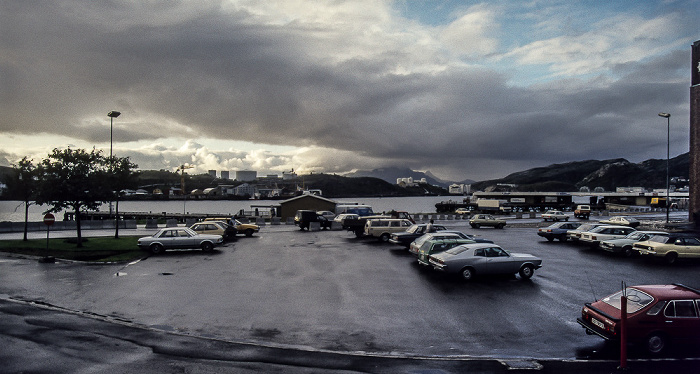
(668, 152)
(112, 115)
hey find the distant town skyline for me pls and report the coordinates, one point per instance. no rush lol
(462, 89)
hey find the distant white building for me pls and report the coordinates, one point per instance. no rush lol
(224, 174)
(410, 182)
(244, 189)
(289, 175)
(460, 189)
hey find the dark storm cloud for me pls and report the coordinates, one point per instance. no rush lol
(202, 71)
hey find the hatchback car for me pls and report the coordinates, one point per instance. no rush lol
(382, 228)
(656, 315)
(178, 238)
(671, 247)
(557, 230)
(596, 235)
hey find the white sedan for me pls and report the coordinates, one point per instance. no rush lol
(554, 215)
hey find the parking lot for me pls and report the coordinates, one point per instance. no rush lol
(332, 291)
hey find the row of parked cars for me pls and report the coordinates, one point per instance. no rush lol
(626, 240)
(456, 253)
(204, 235)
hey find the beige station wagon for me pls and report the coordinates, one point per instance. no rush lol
(382, 228)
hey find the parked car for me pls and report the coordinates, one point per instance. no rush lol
(575, 234)
(303, 219)
(415, 231)
(382, 228)
(557, 230)
(342, 216)
(247, 229)
(479, 220)
(214, 228)
(462, 211)
(555, 215)
(582, 211)
(625, 245)
(328, 214)
(671, 247)
(605, 232)
(431, 247)
(656, 315)
(468, 260)
(178, 238)
(447, 234)
(621, 221)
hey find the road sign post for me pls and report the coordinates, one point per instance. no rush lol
(49, 219)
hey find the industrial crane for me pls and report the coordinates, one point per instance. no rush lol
(182, 176)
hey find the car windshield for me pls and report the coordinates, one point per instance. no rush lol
(636, 235)
(659, 239)
(457, 250)
(636, 299)
(585, 227)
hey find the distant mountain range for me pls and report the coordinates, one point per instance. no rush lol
(607, 174)
(566, 177)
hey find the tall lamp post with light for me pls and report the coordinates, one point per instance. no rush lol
(668, 152)
(112, 115)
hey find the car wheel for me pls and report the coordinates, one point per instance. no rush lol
(550, 238)
(526, 272)
(671, 258)
(156, 249)
(628, 251)
(467, 273)
(384, 238)
(566, 219)
(563, 238)
(476, 225)
(656, 343)
(207, 247)
(249, 232)
(500, 226)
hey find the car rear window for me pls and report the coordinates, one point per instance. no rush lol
(636, 299)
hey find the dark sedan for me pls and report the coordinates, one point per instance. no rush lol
(412, 233)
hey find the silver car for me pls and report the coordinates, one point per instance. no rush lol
(178, 238)
(467, 260)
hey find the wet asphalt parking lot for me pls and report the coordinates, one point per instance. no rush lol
(328, 291)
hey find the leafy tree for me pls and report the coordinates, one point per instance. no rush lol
(78, 180)
(22, 184)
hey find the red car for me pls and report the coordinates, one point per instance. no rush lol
(656, 315)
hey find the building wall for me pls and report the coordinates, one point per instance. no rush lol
(694, 172)
(246, 175)
(288, 208)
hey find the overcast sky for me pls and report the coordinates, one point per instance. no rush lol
(463, 89)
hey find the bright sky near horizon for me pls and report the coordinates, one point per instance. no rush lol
(463, 89)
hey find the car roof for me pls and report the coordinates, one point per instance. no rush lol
(670, 291)
(613, 227)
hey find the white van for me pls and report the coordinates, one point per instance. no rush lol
(359, 209)
(382, 228)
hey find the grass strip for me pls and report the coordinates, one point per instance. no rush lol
(98, 249)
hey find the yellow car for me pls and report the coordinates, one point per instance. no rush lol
(670, 248)
(247, 229)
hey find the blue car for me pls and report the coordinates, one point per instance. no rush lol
(557, 230)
